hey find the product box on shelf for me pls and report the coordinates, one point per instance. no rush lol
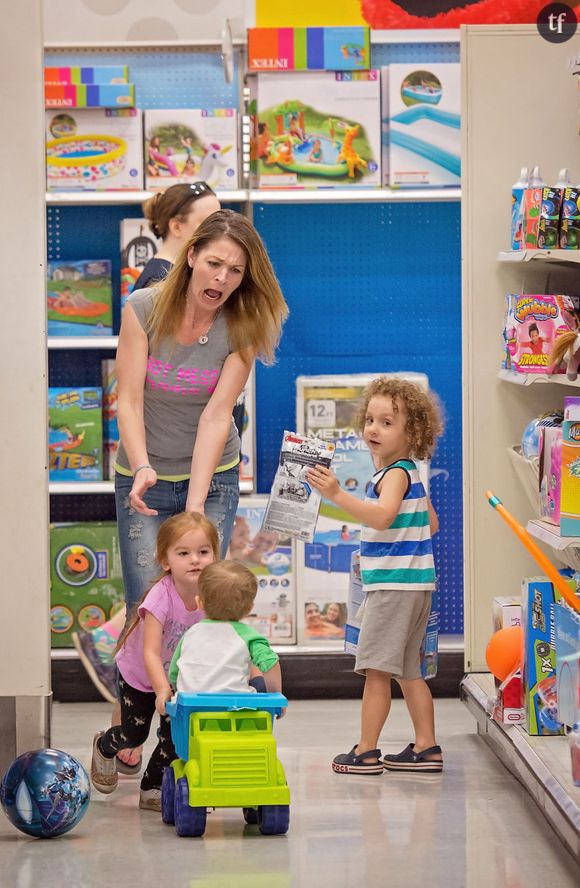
(509, 707)
(94, 149)
(549, 224)
(79, 298)
(532, 323)
(531, 204)
(506, 612)
(138, 246)
(570, 486)
(110, 424)
(312, 49)
(539, 599)
(270, 556)
(424, 104)
(187, 145)
(385, 126)
(567, 634)
(356, 598)
(89, 95)
(326, 407)
(317, 130)
(86, 583)
(570, 221)
(75, 74)
(75, 434)
(550, 473)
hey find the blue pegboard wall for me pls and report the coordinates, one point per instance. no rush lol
(371, 288)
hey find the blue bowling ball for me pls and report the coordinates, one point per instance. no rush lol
(45, 793)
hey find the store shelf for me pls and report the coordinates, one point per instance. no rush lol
(75, 487)
(549, 533)
(84, 342)
(528, 474)
(531, 378)
(360, 195)
(435, 35)
(96, 198)
(561, 256)
(541, 764)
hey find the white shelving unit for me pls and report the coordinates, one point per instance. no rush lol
(60, 342)
(559, 256)
(532, 378)
(90, 487)
(111, 198)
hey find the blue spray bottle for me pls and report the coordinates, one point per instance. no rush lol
(516, 231)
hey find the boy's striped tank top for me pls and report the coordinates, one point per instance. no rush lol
(400, 557)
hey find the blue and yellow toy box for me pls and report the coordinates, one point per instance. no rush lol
(75, 434)
(539, 599)
(86, 583)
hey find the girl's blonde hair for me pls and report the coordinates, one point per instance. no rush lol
(256, 310)
(561, 346)
(169, 533)
(227, 590)
(424, 421)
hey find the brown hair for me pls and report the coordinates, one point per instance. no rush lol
(175, 203)
(227, 590)
(170, 531)
(255, 312)
(424, 416)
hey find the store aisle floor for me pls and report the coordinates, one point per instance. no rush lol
(472, 826)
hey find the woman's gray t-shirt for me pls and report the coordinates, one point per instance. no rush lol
(178, 384)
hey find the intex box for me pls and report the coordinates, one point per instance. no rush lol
(270, 556)
(85, 578)
(75, 434)
(94, 149)
(539, 599)
(318, 130)
(188, 145)
(79, 298)
(424, 124)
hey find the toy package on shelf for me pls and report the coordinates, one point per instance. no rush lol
(312, 49)
(506, 612)
(318, 130)
(550, 473)
(355, 605)
(79, 298)
(187, 145)
(539, 599)
(326, 407)
(532, 323)
(110, 424)
(293, 504)
(86, 583)
(570, 221)
(570, 474)
(104, 86)
(138, 246)
(424, 105)
(94, 149)
(270, 556)
(75, 434)
(248, 440)
(567, 634)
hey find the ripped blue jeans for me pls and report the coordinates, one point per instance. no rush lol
(138, 533)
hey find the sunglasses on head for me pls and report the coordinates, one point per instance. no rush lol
(199, 187)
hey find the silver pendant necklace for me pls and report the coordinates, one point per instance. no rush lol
(204, 338)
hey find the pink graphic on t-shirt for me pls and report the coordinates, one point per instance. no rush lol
(162, 376)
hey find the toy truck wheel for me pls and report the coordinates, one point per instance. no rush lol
(250, 815)
(188, 821)
(168, 796)
(273, 820)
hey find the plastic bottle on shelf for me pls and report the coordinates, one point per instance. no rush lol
(574, 741)
(518, 189)
(570, 218)
(550, 211)
(532, 202)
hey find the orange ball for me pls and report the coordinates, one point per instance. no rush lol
(504, 651)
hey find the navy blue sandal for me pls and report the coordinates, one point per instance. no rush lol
(351, 763)
(409, 760)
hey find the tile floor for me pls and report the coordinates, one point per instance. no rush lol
(472, 826)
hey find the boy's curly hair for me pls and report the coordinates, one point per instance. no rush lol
(424, 415)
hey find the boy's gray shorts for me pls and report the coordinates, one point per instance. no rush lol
(392, 629)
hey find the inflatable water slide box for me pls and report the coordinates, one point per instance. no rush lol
(316, 130)
(424, 124)
(75, 434)
(79, 298)
(189, 145)
(94, 149)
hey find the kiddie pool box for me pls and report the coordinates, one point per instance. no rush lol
(567, 625)
(317, 130)
(424, 104)
(271, 557)
(94, 149)
(325, 408)
(86, 583)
